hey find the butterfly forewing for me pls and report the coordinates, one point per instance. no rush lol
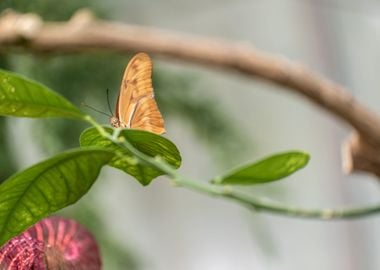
(136, 107)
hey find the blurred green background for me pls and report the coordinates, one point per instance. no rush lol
(217, 121)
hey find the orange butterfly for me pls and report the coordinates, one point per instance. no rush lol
(136, 107)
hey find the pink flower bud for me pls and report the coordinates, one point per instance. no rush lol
(52, 243)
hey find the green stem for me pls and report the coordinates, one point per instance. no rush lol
(258, 204)
(263, 204)
(95, 124)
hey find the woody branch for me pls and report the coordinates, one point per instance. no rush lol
(83, 32)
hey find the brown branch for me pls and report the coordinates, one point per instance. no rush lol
(360, 156)
(83, 32)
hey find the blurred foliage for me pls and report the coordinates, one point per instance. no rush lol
(179, 96)
(7, 165)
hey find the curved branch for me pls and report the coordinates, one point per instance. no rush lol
(83, 32)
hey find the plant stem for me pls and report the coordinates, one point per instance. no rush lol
(263, 204)
(257, 204)
(95, 124)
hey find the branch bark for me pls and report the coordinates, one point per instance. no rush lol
(84, 32)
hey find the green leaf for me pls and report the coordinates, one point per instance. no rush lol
(266, 170)
(146, 142)
(46, 187)
(26, 98)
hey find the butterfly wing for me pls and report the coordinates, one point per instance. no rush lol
(136, 107)
(147, 116)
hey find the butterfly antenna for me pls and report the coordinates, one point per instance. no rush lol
(108, 101)
(92, 108)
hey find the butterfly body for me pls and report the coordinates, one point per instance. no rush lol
(136, 107)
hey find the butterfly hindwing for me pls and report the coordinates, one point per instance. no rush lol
(147, 118)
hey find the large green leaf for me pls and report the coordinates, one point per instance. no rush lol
(26, 98)
(267, 170)
(148, 143)
(47, 187)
